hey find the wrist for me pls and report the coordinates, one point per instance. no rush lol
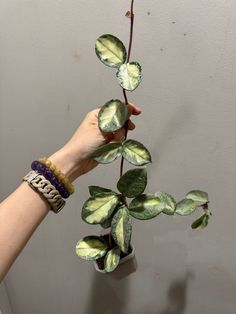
(68, 165)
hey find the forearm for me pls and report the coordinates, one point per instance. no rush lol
(22, 212)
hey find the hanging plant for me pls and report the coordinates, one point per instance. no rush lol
(111, 209)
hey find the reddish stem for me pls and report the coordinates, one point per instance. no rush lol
(124, 91)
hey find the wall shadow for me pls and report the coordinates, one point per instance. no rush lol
(110, 292)
(177, 295)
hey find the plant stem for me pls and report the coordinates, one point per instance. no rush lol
(131, 15)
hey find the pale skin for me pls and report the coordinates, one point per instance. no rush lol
(23, 210)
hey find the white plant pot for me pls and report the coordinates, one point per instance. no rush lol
(122, 261)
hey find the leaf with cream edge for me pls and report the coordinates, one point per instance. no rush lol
(99, 208)
(133, 182)
(197, 196)
(91, 248)
(145, 206)
(129, 75)
(107, 153)
(136, 153)
(121, 229)
(112, 259)
(112, 116)
(185, 207)
(168, 203)
(95, 190)
(110, 50)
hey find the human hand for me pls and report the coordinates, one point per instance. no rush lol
(74, 158)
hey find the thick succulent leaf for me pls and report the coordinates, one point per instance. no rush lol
(185, 207)
(197, 196)
(168, 203)
(135, 153)
(110, 50)
(91, 248)
(121, 229)
(112, 259)
(133, 182)
(107, 153)
(99, 208)
(96, 190)
(145, 207)
(112, 116)
(129, 75)
(201, 222)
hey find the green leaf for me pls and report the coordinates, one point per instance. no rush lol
(133, 182)
(185, 207)
(112, 259)
(197, 196)
(91, 248)
(129, 75)
(99, 208)
(107, 153)
(96, 190)
(112, 116)
(107, 223)
(201, 222)
(121, 229)
(145, 207)
(168, 203)
(135, 153)
(110, 50)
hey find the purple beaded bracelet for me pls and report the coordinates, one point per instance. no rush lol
(50, 176)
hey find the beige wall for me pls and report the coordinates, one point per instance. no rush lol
(5, 307)
(50, 77)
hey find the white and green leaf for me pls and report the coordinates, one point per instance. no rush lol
(112, 116)
(112, 259)
(133, 182)
(185, 207)
(107, 153)
(145, 206)
(91, 248)
(129, 75)
(197, 196)
(99, 208)
(121, 229)
(168, 203)
(136, 153)
(110, 50)
(95, 190)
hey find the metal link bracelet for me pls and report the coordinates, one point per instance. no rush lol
(39, 184)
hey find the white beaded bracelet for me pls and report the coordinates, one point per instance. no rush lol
(39, 184)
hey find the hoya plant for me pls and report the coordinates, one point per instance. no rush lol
(115, 210)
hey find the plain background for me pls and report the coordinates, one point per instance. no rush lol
(50, 78)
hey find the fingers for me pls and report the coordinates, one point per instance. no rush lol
(134, 110)
(131, 125)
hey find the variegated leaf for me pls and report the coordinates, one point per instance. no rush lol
(121, 229)
(133, 182)
(112, 259)
(110, 50)
(136, 153)
(91, 248)
(129, 75)
(96, 190)
(112, 116)
(168, 203)
(99, 208)
(145, 207)
(107, 153)
(197, 196)
(185, 207)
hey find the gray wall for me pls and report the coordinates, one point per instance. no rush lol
(5, 307)
(50, 77)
